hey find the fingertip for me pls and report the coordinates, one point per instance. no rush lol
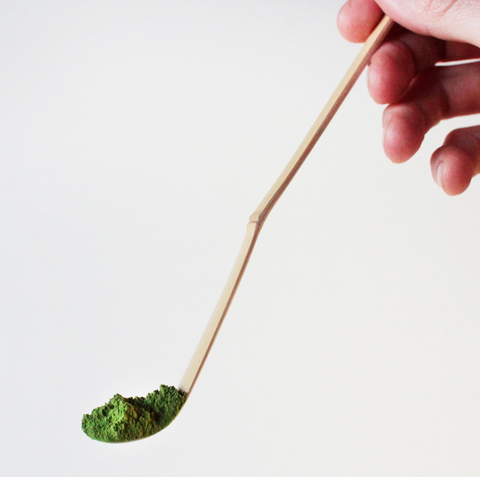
(403, 133)
(357, 19)
(452, 169)
(390, 73)
(345, 24)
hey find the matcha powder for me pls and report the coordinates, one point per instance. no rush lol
(128, 419)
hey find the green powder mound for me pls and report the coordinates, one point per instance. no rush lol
(128, 419)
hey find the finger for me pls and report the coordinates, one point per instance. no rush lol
(357, 19)
(439, 93)
(455, 20)
(457, 161)
(398, 61)
(403, 131)
(446, 19)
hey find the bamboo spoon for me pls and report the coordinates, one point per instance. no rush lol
(126, 419)
(257, 219)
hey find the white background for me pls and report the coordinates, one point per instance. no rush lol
(136, 137)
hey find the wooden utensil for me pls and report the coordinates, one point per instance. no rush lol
(257, 219)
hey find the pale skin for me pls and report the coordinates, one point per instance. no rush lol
(405, 75)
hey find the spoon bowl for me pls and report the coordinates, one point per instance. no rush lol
(129, 419)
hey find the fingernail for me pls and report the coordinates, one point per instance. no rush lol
(439, 175)
(386, 127)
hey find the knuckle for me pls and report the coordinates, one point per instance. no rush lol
(435, 9)
(455, 136)
(466, 138)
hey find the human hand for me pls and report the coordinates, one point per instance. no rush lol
(404, 73)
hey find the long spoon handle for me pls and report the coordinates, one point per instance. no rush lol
(260, 214)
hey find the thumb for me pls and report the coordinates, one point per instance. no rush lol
(455, 20)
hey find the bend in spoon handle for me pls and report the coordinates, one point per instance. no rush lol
(323, 120)
(260, 214)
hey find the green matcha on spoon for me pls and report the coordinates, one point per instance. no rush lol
(129, 419)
